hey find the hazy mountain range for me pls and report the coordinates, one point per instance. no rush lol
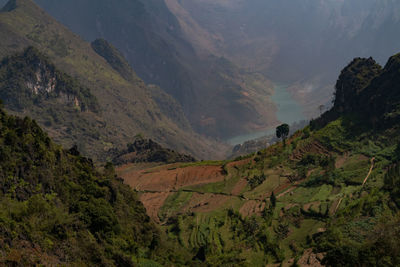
(301, 42)
(126, 105)
(219, 99)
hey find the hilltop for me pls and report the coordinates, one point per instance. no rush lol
(126, 106)
(146, 150)
(328, 197)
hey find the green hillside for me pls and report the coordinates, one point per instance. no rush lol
(329, 196)
(56, 209)
(126, 106)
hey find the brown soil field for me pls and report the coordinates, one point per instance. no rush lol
(239, 186)
(169, 178)
(158, 182)
(153, 203)
(252, 207)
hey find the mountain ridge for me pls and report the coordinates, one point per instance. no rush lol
(124, 103)
(154, 44)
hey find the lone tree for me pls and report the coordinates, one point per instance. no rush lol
(282, 131)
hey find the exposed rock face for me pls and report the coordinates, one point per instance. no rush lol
(380, 100)
(367, 91)
(30, 78)
(353, 80)
(41, 84)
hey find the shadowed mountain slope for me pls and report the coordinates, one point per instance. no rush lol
(126, 106)
(218, 98)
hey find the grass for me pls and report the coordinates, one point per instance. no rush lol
(298, 235)
(322, 194)
(203, 163)
(174, 203)
(224, 187)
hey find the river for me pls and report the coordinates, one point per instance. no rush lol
(289, 111)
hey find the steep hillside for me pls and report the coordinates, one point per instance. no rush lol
(219, 99)
(57, 209)
(166, 103)
(328, 196)
(126, 107)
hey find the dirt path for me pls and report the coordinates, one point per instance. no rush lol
(365, 180)
(287, 191)
(337, 206)
(370, 170)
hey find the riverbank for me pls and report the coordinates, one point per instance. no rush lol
(289, 111)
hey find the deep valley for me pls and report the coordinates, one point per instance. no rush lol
(199, 133)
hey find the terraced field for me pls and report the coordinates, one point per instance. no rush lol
(264, 208)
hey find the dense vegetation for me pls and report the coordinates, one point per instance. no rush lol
(146, 150)
(57, 209)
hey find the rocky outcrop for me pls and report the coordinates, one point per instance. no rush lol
(367, 92)
(353, 80)
(146, 150)
(28, 78)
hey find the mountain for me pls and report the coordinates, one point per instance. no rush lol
(218, 98)
(328, 196)
(124, 104)
(367, 91)
(302, 43)
(57, 209)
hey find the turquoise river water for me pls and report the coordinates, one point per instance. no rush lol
(289, 111)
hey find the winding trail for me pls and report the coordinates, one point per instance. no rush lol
(370, 171)
(365, 180)
(337, 206)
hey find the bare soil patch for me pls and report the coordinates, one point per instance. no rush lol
(252, 207)
(341, 160)
(238, 188)
(153, 203)
(310, 259)
(164, 179)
